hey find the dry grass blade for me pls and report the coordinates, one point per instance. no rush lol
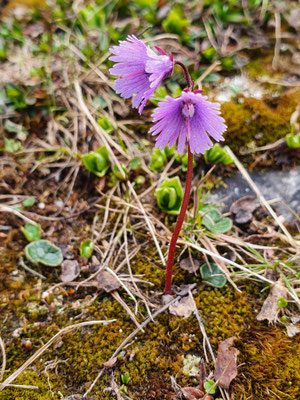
(24, 386)
(148, 222)
(40, 351)
(198, 82)
(17, 213)
(35, 273)
(275, 62)
(118, 298)
(202, 328)
(104, 137)
(209, 246)
(234, 264)
(2, 347)
(261, 198)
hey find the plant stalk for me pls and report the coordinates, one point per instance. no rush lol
(186, 74)
(179, 222)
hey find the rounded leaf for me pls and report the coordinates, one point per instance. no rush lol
(213, 275)
(44, 252)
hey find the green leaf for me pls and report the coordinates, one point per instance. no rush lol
(3, 48)
(209, 54)
(169, 196)
(212, 275)
(158, 160)
(282, 303)
(135, 163)
(97, 161)
(31, 232)
(217, 155)
(43, 252)
(10, 126)
(212, 77)
(125, 378)
(12, 91)
(170, 152)
(293, 141)
(184, 162)
(212, 219)
(86, 248)
(118, 174)
(28, 202)
(210, 387)
(12, 145)
(175, 22)
(105, 124)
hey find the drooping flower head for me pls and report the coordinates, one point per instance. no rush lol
(189, 116)
(140, 70)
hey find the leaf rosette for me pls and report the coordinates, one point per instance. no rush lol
(97, 161)
(217, 155)
(169, 196)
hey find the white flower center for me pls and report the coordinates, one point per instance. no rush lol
(188, 110)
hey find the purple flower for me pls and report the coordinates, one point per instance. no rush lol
(188, 116)
(140, 69)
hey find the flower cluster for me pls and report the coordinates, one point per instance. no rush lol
(188, 117)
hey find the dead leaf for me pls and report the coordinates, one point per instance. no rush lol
(270, 307)
(292, 330)
(202, 374)
(243, 208)
(294, 18)
(225, 365)
(182, 308)
(69, 270)
(191, 393)
(110, 363)
(106, 281)
(34, 30)
(189, 264)
(183, 290)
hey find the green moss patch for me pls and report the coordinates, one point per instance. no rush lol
(258, 121)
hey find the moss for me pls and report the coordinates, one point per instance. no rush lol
(258, 121)
(154, 355)
(270, 365)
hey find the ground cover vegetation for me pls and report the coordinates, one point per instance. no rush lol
(88, 206)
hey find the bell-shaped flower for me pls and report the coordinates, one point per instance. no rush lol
(188, 117)
(140, 70)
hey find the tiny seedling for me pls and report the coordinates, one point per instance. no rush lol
(31, 232)
(97, 161)
(210, 387)
(86, 248)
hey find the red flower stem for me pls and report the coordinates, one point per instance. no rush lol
(186, 75)
(179, 222)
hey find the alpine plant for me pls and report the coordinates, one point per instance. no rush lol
(187, 119)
